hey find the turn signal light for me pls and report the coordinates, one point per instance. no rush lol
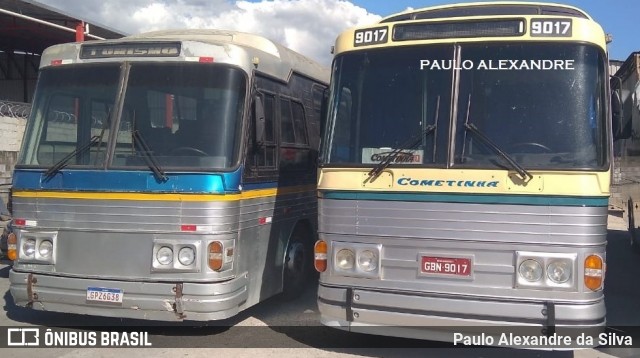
(593, 272)
(320, 256)
(215, 255)
(12, 246)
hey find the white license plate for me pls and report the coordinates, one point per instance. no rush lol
(102, 294)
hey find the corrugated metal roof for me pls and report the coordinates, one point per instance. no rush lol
(18, 33)
(629, 65)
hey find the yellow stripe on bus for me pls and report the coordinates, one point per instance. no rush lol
(251, 194)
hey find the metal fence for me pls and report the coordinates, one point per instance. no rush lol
(15, 109)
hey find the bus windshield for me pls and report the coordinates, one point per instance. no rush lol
(540, 104)
(187, 115)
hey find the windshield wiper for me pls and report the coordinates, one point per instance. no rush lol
(524, 174)
(408, 145)
(63, 162)
(151, 160)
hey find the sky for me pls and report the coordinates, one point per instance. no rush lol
(307, 26)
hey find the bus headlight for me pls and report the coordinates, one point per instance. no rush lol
(186, 256)
(530, 270)
(45, 249)
(29, 247)
(355, 259)
(164, 255)
(559, 271)
(546, 270)
(175, 255)
(345, 259)
(34, 247)
(367, 260)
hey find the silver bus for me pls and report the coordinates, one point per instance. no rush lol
(167, 176)
(465, 172)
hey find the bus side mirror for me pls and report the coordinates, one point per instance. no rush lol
(620, 129)
(259, 120)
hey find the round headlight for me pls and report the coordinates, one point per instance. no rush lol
(367, 260)
(45, 248)
(559, 271)
(29, 247)
(186, 256)
(164, 255)
(530, 270)
(345, 259)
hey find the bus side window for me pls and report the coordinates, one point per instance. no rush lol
(295, 153)
(292, 123)
(286, 122)
(344, 131)
(316, 122)
(299, 123)
(261, 158)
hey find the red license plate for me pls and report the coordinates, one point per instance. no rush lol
(446, 265)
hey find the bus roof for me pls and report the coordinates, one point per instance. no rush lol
(275, 60)
(493, 21)
(486, 9)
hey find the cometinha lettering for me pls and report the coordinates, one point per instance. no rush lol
(497, 65)
(449, 183)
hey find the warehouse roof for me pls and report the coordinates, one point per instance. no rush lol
(29, 26)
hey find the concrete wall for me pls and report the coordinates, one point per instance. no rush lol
(11, 131)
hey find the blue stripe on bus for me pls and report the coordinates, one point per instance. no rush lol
(542, 200)
(124, 180)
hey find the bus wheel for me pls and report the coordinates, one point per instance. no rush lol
(635, 247)
(297, 264)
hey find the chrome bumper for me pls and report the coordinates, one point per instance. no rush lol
(435, 317)
(141, 300)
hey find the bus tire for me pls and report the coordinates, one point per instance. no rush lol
(635, 247)
(298, 263)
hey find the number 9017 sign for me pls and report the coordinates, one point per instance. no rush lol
(551, 27)
(373, 36)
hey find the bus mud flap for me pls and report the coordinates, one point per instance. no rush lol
(549, 310)
(177, 305)
(349, 302)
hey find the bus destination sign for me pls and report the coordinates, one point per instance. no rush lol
(149, 49)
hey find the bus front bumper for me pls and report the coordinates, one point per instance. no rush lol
(437, 317)
(159, 301)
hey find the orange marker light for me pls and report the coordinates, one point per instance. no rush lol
(12, 246)
(320, 256)
(215, 255)
(593, 272)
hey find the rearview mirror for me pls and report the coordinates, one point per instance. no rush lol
(259, 120)
(621, 129)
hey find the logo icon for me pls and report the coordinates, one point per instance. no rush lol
(23, 337)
